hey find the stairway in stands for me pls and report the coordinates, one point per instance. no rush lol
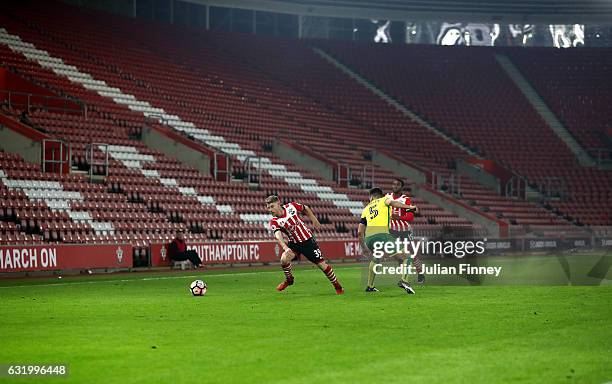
(542, 109)
(466, 93)
(86, 59)
(291, 177)
(374, 119)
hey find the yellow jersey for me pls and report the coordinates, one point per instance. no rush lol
(377, 216)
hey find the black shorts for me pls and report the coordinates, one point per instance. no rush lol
(402, 234)
(310, 250)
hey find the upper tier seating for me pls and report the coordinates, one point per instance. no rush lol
(218, 122)
(573, 83)
(466, 93)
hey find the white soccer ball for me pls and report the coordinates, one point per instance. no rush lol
(198, 288)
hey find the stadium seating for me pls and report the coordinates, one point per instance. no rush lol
(300, 67)
(151, 88)
(465, 93)
(571, 83)
(240, 93)
(239, 125)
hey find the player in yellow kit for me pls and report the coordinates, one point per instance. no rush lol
(373, 232)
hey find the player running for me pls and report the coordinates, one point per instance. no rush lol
(401, 220)
(301, 241)
(374, 224)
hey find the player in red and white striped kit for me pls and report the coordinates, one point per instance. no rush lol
(287, 221)
(401, 220)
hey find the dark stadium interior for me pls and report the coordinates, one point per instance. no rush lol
(243, 94)
(305, 191)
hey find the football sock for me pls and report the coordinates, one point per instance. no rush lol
(418, 264)
(406, 263)
(287, 271)
(329, 272)
(371, 273)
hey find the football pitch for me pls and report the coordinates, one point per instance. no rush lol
(147, 328)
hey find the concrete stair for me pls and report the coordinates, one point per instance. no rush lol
(540, 106)
(380, 93)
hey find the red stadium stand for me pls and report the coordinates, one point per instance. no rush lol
(464, 92)
(237, 124)
(241, 94)
(572, 84)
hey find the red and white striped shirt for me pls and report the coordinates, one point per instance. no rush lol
(291, 223)
(407, 217)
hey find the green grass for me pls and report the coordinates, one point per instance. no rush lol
(124, 329)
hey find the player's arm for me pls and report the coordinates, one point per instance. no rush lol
(281, 241)
(313, 218)
(397, 204)
(361, 236)
(406, 215)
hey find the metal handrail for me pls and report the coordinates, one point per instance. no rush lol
(216, 155)
(346, 179)
(163, 121)
(553, 187)
(90, 148)
(514, 188)
(29, 104)
(597, 154)
(53, 160)
(365, 174)
(247, 162)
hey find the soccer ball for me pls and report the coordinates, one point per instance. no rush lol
(198, 288)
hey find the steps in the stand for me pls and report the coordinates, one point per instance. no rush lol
(410, 114)
(540, 106)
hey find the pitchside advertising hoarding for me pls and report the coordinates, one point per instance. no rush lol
(501, 246)
(252, 252)
(52, 257)
(118, 256)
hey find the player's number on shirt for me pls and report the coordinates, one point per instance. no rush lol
(373, 213)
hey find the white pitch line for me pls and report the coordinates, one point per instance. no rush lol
(141, 279)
